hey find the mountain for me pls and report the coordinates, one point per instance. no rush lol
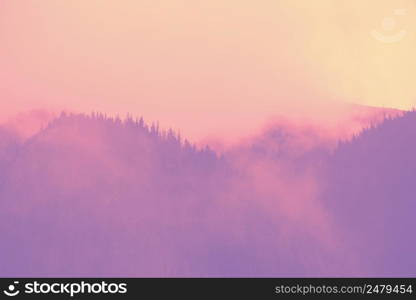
(88, 190)
(370, 191)
(97, 196)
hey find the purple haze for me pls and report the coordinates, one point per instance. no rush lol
(92, 196)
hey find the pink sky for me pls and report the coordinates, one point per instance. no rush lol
(206, 68)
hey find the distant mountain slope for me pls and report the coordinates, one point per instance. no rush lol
(371, 192)
(10, 145)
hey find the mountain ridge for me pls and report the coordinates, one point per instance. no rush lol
(97, 196)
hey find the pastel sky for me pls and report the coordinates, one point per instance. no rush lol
(206, 66)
